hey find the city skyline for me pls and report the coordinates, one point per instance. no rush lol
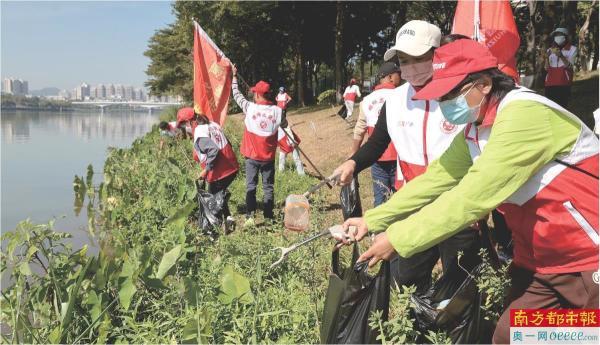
(87, 92)
(64, 43)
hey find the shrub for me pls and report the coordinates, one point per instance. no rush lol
(326, 97)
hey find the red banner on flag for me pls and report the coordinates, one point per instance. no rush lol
(212, 77)
(491, 23)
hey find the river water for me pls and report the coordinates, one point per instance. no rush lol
(41, 153)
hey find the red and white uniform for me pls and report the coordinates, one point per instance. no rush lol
(282, 100)
(371, 106)
(260, 133)
(558, 74)
(419, 131)
(284, 143)
(225, 163)
(557, 205)
(351, 92)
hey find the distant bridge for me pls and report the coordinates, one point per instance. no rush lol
(134, 104)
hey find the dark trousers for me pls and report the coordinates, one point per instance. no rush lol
(384, 178)
(531, 290)
(416, 270)
(267, 172)
(222, 185)
(559, 94)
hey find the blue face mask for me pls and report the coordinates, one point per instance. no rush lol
(457, 110)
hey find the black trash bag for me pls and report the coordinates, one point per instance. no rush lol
(210, 208)
(454, 302)
(459, 314)
(351, 298)
(350, 200)
(343, 112)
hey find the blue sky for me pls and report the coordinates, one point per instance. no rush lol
(62, 44)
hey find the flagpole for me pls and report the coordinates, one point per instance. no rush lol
(198, 27)
(476, 21)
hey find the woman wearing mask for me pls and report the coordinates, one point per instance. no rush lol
(519, 151)
(420, 134)
(559, 67)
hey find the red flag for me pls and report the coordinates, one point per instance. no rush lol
(491, 23)
(212, 77)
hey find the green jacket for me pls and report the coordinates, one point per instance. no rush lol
(455, 192)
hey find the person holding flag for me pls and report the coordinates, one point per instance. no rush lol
(282, 98)
(520, 151)
(262, 119)
(216, 156)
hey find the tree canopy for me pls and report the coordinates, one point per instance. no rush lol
(313, 46)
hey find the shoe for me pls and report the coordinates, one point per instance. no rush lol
(229, 225)
(249, 222)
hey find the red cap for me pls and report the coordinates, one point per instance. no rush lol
(452, 63)
(185, 114)
(261, 87)
(352, 81)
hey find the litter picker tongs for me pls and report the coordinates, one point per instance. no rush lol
(335, 231)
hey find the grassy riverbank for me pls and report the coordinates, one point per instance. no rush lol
(157, 278)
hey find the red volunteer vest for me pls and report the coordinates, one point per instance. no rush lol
(226, 163)
(558, 74)
(419, 131)
(371, 107)
(282, 99)
(554, 215)
(284, 143)
(350, 93)
(260, 133)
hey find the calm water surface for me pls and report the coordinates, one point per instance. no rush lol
(41, 153)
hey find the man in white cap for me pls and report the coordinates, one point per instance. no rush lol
(420, 134)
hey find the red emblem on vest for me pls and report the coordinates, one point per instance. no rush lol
(447, 127)
(263, 124)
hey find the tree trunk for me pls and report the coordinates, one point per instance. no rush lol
(317, 90)
(362, 68)
(300, 73)
(339, 47)
(530, 52)
(550, 19)
(569, 17)
(584, 43)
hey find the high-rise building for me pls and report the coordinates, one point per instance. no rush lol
(15, 86)
(119, 92)
(110, 91)
(139, 95)
(93, 94)
(100, 91)
(82, 91)
(128, 93)
(7, 86)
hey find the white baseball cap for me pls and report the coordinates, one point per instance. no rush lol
(415, 38)
(563, 31)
